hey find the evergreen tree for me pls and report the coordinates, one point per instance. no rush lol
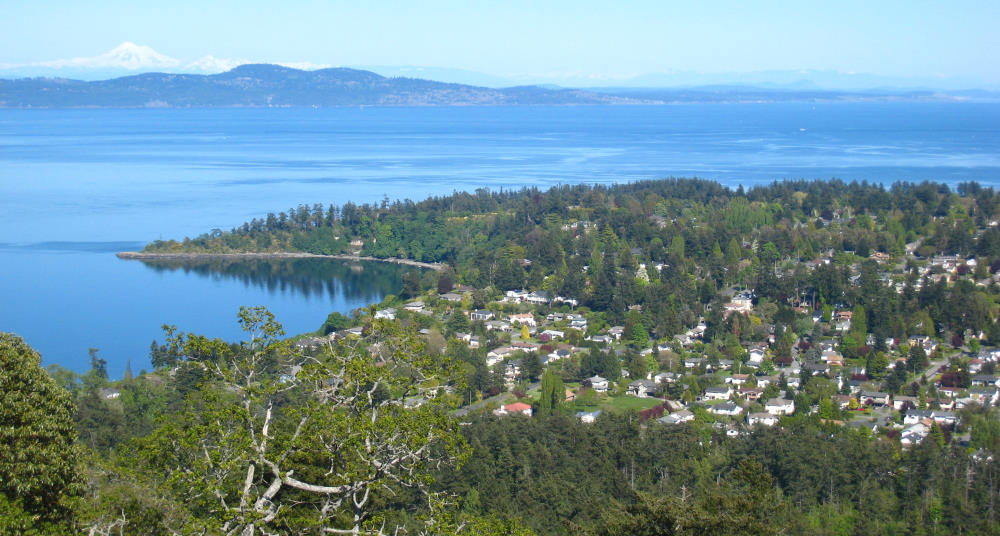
(38, 466)
(553, 393)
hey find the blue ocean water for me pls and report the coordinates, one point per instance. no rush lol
(70, 178)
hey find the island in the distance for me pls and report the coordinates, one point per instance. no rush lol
(265, 85)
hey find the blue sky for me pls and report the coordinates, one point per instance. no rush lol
(600, 40)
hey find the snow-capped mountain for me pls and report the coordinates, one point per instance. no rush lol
(128, 56)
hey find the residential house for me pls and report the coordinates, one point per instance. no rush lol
(665, 377)
(497, 355)
(693, 362)
(816, 368)
(517, 408)
(554, 334)
(603, 339)
(765, 419)
(718, 393)
(498, 325)
(513, 371)
(726, 408)
(780, 406)
(982, 380)
(481, 315)
(387, 314)
(677, 417)
(764, 381)
(578, 322)
(641, 388)
(832, 357)
(738, 379)
(588, 416)
(557, 355)
(914, 434)
(987, 396)
(356, 331)
(899, 402)
(914, 416)
(750, 393)
(524, 319)
(598, 384)
(414, 306)
(538, 297)
(874, 398)
(515, 296)
(521, 346)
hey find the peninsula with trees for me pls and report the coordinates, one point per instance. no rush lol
(659, 357)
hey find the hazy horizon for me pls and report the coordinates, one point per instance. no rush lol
(850, 45)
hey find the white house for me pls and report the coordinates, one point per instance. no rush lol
(599, 384)
(726, 408)
(497, 355)
(762, 418)
(718, 393)
(665, 377)
(517, 408)
(913, 435)
(677, 417)
(524, 319)
(537, 298)
(780, 406)
(387, 314)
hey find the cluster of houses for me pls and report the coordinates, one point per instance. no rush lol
(736, 396)
(540, 325)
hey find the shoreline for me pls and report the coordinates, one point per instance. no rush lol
(138, 255)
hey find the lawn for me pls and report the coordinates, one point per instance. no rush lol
(627, 402)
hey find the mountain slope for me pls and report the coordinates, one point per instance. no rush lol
(260, 85)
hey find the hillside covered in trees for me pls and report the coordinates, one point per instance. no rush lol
(664, 357)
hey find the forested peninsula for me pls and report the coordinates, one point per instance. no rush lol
(667, 357)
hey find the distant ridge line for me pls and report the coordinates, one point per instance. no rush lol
(275, 86)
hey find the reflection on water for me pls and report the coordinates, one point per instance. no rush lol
(332, 279)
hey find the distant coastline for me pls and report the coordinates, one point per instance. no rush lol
(274, 86)
(138, 255)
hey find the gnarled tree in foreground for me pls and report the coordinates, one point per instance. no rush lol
(278, 441)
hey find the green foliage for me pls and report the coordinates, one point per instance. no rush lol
(38, 465)
(274, 439)
(553, 394)
(335, 322)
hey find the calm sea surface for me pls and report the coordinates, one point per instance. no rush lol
(78, 185)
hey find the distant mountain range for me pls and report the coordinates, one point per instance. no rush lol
(264, 85)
